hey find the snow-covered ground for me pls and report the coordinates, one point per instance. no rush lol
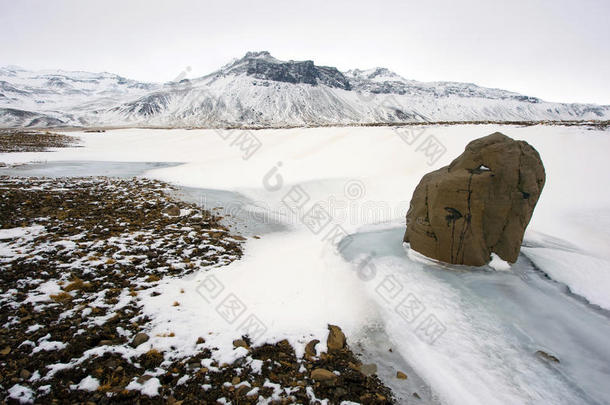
(471, 334)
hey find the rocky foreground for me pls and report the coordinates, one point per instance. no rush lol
(76, 257)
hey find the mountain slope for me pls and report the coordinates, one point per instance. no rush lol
(259, 90)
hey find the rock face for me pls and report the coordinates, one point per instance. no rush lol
(479, 204)
(294, 72)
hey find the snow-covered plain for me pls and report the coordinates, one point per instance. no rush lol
(471, 334)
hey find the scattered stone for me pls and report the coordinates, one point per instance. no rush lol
(235, 380)
(240, 343)
(25, 374)
(336, 338)
(320, 374)
(242, 390)
(173, 210)
(151, 359)
(546, 356)
(139, 339)
(368, 369)
(416, 395)
(310, 348)
(400, 375)
(5, 351)
(480, 204)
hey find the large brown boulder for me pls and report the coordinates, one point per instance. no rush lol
(479, 204)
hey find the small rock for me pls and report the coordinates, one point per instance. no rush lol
(368, 369)
(242, 390)
(143, 379)
(546, 356)
(172, 401)
(139, 339)
(25, 374)
(321, 374)
(416, 395)
(5, 351)
(172, 211)
(400, 375)
(235, 380)
(200, 341)
(310, 348)
(336, 338)
(193, 365)
(240, 343)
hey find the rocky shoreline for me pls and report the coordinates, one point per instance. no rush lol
(17, 140)
(78, 255)
(591, 124)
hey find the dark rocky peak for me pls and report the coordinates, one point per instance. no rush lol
(258, 55)
(262, 65)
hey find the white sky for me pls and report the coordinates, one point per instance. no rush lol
(557, 50)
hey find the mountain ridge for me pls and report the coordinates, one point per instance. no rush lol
(260, 90)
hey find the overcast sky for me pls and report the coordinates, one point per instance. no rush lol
(557, 50)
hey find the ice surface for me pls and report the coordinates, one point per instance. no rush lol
(83, 169)
(494, 323)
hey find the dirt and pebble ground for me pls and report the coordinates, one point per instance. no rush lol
(17, 140)
(77, 254)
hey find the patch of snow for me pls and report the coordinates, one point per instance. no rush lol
(497, 263)
(21, 393)
(22, 232)
(47, 346)
(88, 384)
(257, 366)
(33, 328)
(150, 387)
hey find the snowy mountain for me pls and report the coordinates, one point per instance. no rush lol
(260, 90)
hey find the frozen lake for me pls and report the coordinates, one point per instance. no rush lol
(463, 335)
